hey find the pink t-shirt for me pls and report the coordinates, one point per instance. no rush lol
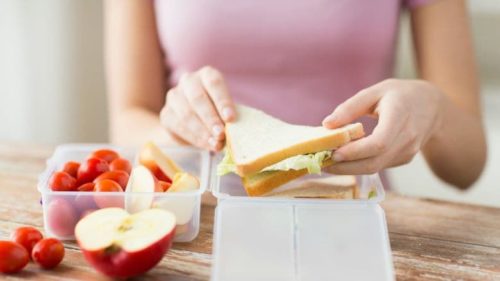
(294, 59)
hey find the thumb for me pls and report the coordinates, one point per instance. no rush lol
(362, 103)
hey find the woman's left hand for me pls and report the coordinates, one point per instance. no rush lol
(409, 114)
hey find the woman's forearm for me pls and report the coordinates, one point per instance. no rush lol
(457, 151)
(137, 125)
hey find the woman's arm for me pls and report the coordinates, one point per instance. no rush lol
(136, 76)
(439, 114)
(445, 57)
(192, 112)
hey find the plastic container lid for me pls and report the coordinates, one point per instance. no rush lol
(299, 239)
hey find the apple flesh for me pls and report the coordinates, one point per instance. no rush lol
(121, 245)
(183, 182)
(140, 190)
(158, 163)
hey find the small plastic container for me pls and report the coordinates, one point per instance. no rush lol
(268, 238)
(61, 210)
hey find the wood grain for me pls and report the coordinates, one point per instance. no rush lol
(430, 240)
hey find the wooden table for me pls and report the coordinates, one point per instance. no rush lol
(430, 240)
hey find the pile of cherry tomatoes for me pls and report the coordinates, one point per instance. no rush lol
(104, 171)
(28, 242)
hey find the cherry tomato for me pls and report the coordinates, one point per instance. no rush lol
(107, 185)
(26, 236)
(164, 185)
(86, 187)
(120, 164)
(71, 168)
(48, 253)
(91, 169)
(107, 155)
(104, 201)
(62, 181)
(121, 177)
(84, 201)
(13, 257)
(62, 217)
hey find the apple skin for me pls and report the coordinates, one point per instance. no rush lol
(123, 264)
(154, 168)
(61, 217)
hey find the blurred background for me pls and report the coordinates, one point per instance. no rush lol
(52, 86)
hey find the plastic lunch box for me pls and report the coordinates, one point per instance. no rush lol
(262, 238)
(61, 208)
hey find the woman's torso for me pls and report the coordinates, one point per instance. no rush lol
(294, 59)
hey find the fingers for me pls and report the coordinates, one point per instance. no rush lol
(358, 105)
(199, 101)
(392, 119)
(359, 167)
(197, 107)
(216, 88)
(181, 120)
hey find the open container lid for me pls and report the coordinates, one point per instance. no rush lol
(299, 239)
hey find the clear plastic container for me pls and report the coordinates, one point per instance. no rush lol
(61, 210)
(268, 238)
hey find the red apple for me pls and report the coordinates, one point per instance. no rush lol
(121, 245)
(61, 217)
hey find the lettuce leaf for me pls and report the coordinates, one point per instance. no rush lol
(312, 162)
(226, 165)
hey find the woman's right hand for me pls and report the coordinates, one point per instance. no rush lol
(197, 108)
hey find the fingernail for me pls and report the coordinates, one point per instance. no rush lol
(329, 120)
(217, 130)
(227, 113)
(337, 157)
(212, 142)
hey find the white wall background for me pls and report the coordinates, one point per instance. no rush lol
(52, 84)
(51, 73)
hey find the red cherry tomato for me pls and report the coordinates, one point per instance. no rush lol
(26, 236)
(107, 185)
(86, 187)
(104, 201)
(107, 155)
(120, 164)
(62, 181)
(71, 168)
(164, 185)
(48, 253)
(13, 257)
(62, 217)
(121, 177)
(91, 169)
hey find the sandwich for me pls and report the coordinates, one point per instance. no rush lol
(331, 187)
(267, 152)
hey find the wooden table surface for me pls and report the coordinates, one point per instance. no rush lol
(430, 240)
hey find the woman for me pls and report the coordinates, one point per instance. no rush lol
(309, 62)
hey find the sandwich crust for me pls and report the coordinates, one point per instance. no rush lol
(329, 142)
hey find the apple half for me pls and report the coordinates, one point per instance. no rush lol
(122, 245)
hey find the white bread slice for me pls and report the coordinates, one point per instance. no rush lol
(257, 140)
(332, 187)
